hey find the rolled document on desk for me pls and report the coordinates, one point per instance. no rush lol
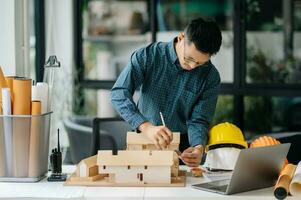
(7, 126)
(35, 139)
(9, 81)
(283, 183)
(22, 96)
(21, 126)
(295, 186)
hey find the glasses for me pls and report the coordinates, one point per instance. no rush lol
(190, 61)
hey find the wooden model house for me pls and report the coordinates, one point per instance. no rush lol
(140, 165)
(139, 141)
(87, 169)
(136, 166)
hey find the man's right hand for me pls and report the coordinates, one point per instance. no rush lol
(160, 135)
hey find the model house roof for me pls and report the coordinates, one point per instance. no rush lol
(90, 161)
(140, 138)
(135, 158)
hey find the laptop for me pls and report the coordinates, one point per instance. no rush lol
(255, 168)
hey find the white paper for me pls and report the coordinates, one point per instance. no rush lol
(7, 123)
(295, 186)
(40, 93)
(104, 106)
(6, 101)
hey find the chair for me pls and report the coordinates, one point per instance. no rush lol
(115, 127)
(81, 134)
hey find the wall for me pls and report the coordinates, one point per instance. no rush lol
(7, 37)
(14, 37)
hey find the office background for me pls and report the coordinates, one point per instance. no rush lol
(259, 61)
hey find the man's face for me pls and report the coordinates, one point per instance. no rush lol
(189, 57)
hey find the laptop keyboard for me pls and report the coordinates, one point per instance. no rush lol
(220, 185)
(221, 188)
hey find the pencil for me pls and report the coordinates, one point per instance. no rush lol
(162, 119)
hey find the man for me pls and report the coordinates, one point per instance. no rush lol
(177, 79)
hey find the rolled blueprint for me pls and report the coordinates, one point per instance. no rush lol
(21, 126)
(40, 93)
(3, 84)
(6, 101)
(282, 186)
(36, 107)
(22, 96)
(295, 186)
(35, 140)
(7, 126)
(9, 81)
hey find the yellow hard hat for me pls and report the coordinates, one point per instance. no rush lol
(226, 133)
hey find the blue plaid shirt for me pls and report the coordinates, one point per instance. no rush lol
(187, 99)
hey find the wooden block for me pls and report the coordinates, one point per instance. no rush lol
(196, 172)
(93, 171)
(75, 178)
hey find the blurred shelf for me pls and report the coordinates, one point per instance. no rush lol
(119, 38)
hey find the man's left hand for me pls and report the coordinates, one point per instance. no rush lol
(192, 156)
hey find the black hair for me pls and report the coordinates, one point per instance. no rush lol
(205, 35)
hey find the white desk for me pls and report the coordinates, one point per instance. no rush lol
(56, 190)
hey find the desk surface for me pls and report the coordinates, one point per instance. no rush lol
(56, 190)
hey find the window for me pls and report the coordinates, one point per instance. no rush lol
(259, 60)
(273, 42)
(265, 115)
(112, 30)
(224, 109)
(173, 16)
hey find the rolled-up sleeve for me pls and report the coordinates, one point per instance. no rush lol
(130, 79)
(203, 111)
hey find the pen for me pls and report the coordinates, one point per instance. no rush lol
(162, 119)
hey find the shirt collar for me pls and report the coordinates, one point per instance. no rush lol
(172, 50)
